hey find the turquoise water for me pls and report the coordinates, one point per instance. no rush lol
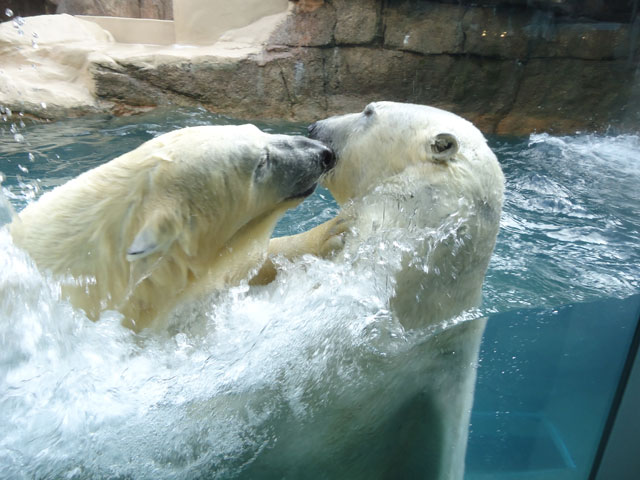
(255, 368)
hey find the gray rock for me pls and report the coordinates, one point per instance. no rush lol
(429, 29)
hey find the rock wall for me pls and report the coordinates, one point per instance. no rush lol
(26, 8)
(156, 9)
(510, 67)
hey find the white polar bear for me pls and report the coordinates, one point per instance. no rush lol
(421, 187)
(190, 209)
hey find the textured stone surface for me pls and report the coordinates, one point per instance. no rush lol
(430, 29)
(588, 41)
(157, 9)
(529, 71)
(310, 24)
(42, 65)
(26, 8)
(357, 22)
(576, 95)
(496, 33)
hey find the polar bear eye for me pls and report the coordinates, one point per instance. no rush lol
(263, 163)
(369, 110)
(266, 159)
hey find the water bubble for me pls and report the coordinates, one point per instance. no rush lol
(23, 169)
(34, 44)
(8, 12)
(7, 111)
(2, 177)
(34, 34)
(18, 137)
(43, 105)
(32, 157)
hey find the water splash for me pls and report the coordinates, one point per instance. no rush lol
(243, 372)
(6, 209)
(206, 396)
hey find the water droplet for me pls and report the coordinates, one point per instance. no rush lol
(8, 12)
(34, 44)
(7, 111)
(34, 34)
(32, 157)
(43, 105)
(2, 177)
(23, 169)
(18, 137)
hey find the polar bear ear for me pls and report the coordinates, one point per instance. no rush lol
(443, 147)
(157, 234)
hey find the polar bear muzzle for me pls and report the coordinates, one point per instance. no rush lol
(299, 162)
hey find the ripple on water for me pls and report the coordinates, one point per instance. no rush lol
(81, 399)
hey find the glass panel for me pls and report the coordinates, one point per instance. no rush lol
(545, 385)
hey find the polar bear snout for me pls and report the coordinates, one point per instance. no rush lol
(300, 163)
(328, 132)
(322, 153)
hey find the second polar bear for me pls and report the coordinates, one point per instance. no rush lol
(421, 194)
(190, 209)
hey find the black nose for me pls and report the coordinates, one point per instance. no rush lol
(327, 159)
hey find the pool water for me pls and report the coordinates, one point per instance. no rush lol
(261, 370)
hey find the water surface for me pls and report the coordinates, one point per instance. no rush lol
(253, 368)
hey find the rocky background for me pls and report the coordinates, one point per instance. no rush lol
(156, 9)
(511, 66)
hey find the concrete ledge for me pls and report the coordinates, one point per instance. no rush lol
(136, 30)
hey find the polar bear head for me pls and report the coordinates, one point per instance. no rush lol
(219, 179)
(424, 179)
(191, 210)
(387, 137)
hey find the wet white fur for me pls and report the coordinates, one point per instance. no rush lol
(178, 214)
(392, 184)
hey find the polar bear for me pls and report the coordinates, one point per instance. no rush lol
(422, 182)
(191, 209)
